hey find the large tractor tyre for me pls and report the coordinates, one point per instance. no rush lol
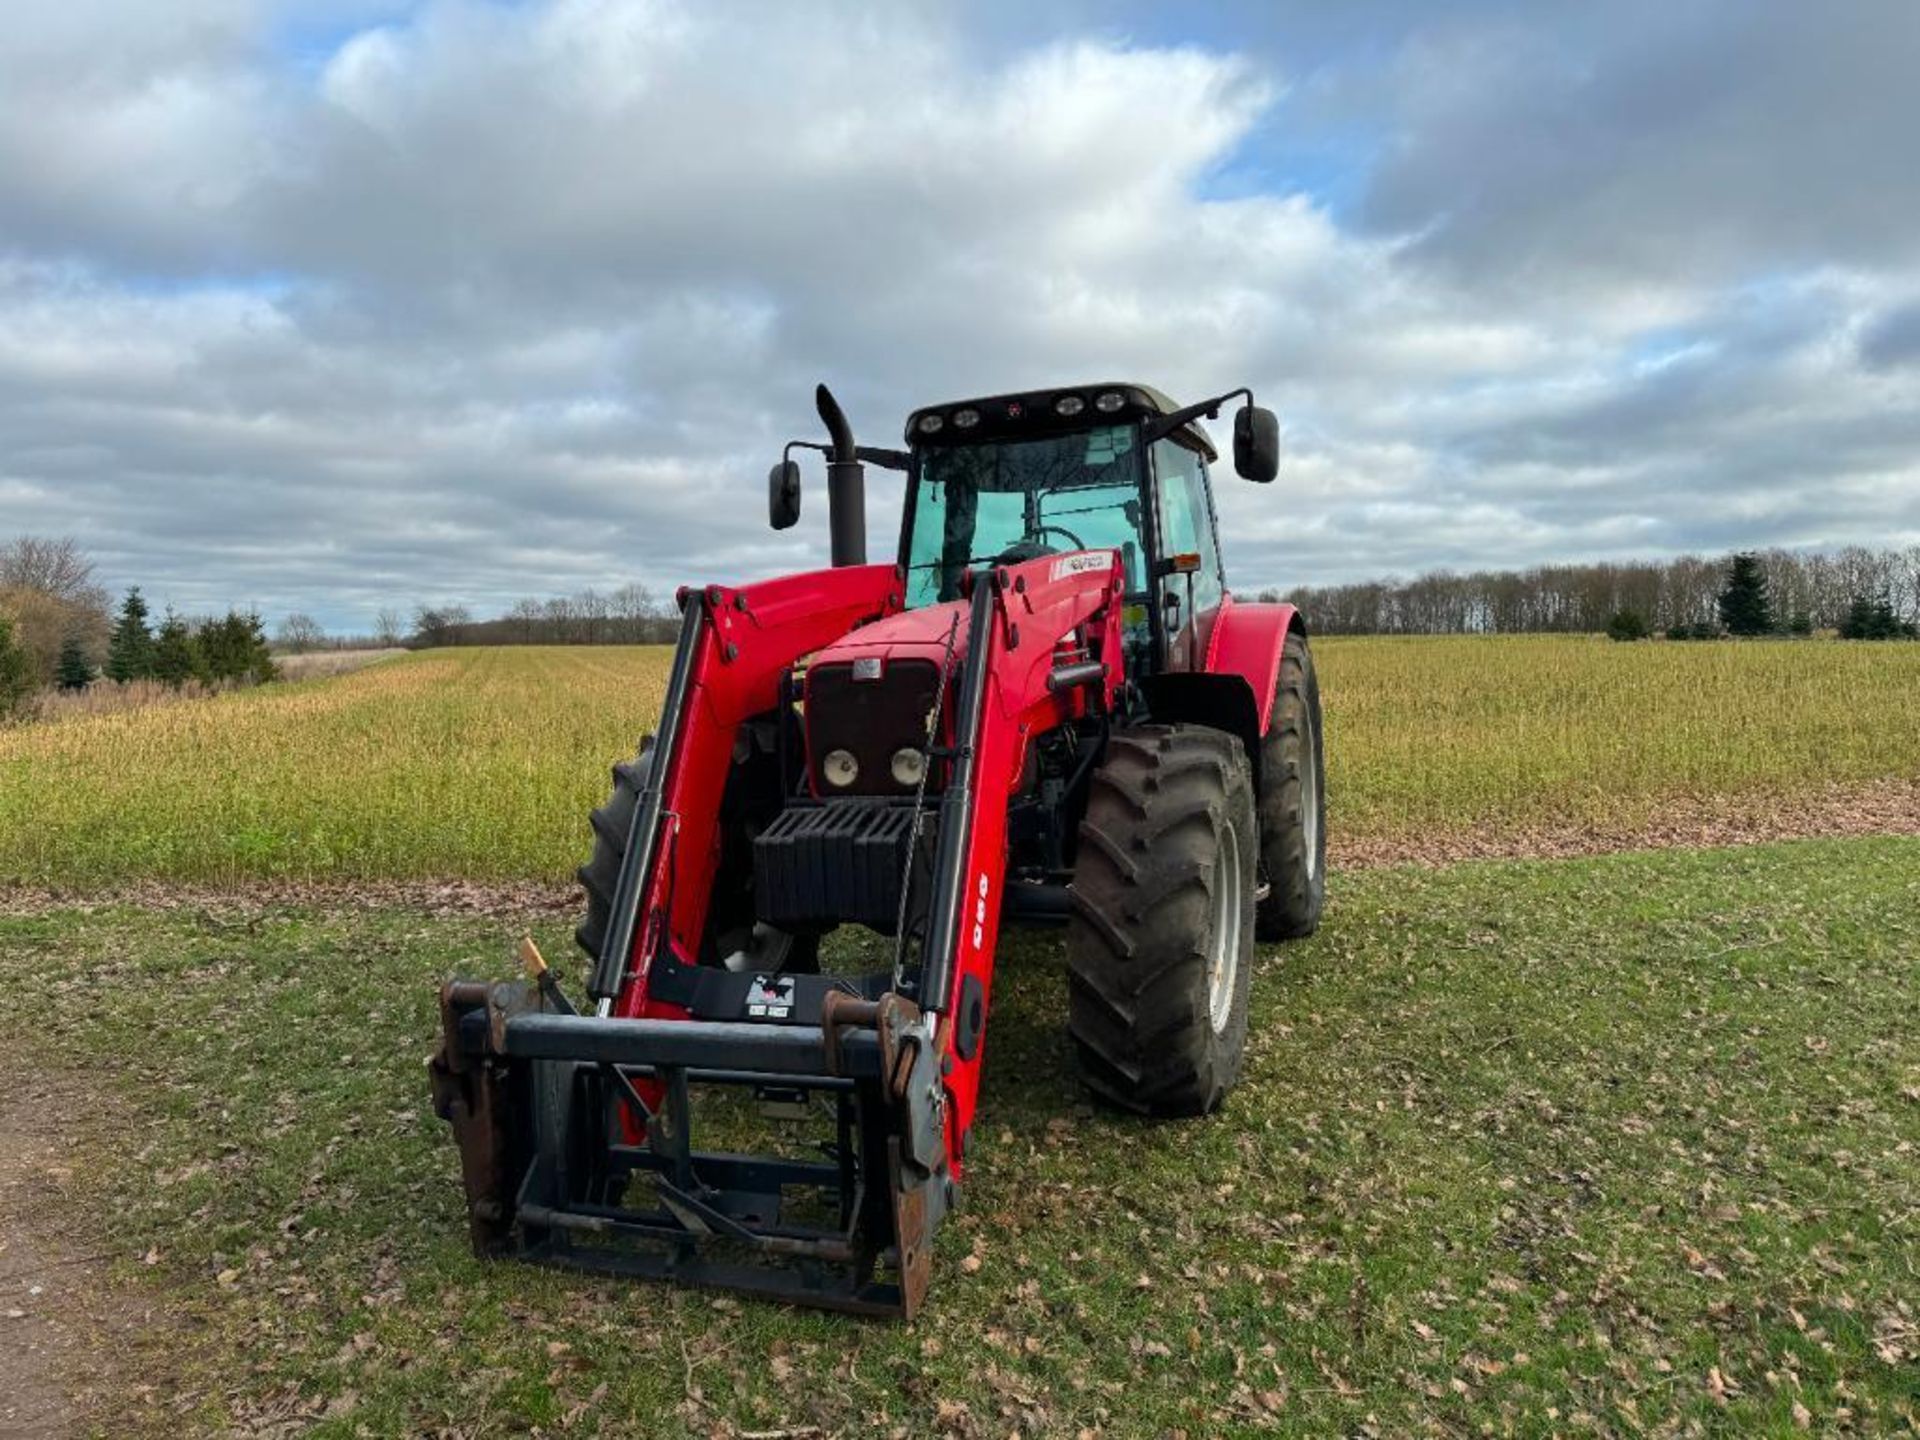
(1160, 939)
(743, 946)
(1293, 802)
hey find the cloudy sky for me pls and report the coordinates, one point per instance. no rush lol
(337, 305)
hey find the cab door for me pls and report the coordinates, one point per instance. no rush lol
(1190, 584)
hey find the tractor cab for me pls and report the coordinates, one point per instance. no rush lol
(1009, 478)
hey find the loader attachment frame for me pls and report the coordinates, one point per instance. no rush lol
(539, 1101)
(576, 1131)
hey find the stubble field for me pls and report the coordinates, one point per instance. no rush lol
(482, 764)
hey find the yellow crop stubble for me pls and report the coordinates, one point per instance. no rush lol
(483, 763)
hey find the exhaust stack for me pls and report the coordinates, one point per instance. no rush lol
(846, 484)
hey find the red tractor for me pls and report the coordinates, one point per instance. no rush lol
(1047, 707)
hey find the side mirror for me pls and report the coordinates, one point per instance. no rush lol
(1256, 444)
(783, 495)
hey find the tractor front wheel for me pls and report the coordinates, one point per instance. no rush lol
(612, 824)
(734, 940)
(1160, 940)
(1293, 802)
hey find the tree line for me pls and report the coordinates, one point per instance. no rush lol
(58, 630)
(1806, 591)
(630, 615)
(1861, 594)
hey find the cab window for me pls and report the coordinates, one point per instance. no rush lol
(1186, 524)
(1006, 501)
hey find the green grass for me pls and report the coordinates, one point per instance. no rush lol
(1619, 1146)
(483, 764)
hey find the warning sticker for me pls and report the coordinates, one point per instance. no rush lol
(1080, 565)
(770, 997)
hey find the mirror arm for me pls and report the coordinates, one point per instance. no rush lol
(868, 454)
(1186, 415)
(886, 459)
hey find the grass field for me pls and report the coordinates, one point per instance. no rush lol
(1621, 1146)
(483, 764)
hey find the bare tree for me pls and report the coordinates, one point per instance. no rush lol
(300, 633)
(386, 627)
(559, 613)
(1909, 599)
(47, 591)
(525, 617)
(53, 567)
(641, 616)
(593, 608)
(436, 625)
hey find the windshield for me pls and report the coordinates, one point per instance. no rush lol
(977, 504)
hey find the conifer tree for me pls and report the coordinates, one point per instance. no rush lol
(213, 655)
(1869, 619)
(1744, 608)
(173, 657)
(1628, 625)
(130, 655)
(260, 666)
(234, 647)
(74, 671)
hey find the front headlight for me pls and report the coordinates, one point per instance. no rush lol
(839, 768)
(908, 766)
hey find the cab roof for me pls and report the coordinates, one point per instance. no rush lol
(1038, 412)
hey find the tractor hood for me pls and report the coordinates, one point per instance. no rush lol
(910, 635)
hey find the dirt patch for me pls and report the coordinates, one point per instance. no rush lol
(1881, 807)
(62, 1327)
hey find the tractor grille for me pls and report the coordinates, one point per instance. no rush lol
(835, 862)
(871, 719)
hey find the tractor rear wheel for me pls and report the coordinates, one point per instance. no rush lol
(1160, 940)
(1293, 802)
(744, 945)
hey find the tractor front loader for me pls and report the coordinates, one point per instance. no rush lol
(1047, 709)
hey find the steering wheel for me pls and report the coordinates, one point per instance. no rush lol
(1031, 547)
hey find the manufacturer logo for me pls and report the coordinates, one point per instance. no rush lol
(980, 913)
(1080, 565)
(868, 667)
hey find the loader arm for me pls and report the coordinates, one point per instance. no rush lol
(735, 644)
(1044, 648)
(1026, 623)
